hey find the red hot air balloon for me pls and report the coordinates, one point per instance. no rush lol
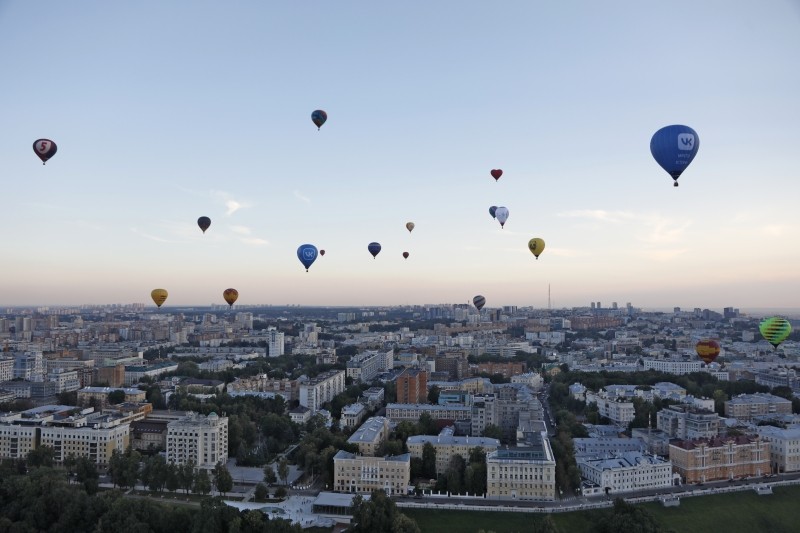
(45, 149)
(496, 173)
(707, 350)
(322, 252)
(405, 254)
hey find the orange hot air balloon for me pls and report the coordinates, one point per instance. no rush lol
(159, 296)
(230, 295)
(707, 350)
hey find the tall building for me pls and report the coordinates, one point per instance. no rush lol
(202, 440)
(321, 389)
(274, 342)
(412, 386)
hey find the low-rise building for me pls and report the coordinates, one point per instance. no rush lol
(370, 435)
(100, 395)
(447, 446)
(363, 474)
(300, 415)
(746, 406)
(784, 447)
(397, 412)
(718, 459)
(522, 473)
(627, 472)
(604, 447)
(352, 415)
(684, 422)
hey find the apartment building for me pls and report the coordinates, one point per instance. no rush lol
(202, 440)
(100, 395)
(717, 459)
(366, 366)
(321, 389)
(397, 412)
(522, 473)
(447, 446)
(746, 406)
(352, 415)
(618, 411)
(685, 422)
(671, 366)
(412, 386)
(6, 369)
(363, 474)
(288, 388)
(370, 435)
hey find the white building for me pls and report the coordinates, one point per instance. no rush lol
(531, 379)
(672, 366)
(627, 472)
(684, 422)
(352, 415)
(784, 447)
(321, 389)
(65, 380)
(618, 411)
(275, 342)
(199, 439)
(6, 369)
(365, 366)
(29, 366)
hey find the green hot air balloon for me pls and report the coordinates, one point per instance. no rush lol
(775, 329)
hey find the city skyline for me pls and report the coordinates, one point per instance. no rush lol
(164, 114)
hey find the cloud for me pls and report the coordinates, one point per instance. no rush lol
(232, 206)
(241, 230)
(254, 241)
(300, 196)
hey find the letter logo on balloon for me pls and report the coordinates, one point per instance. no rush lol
(307, 254)
(673, 148)
(685, 141)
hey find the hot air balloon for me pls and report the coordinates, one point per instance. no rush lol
(45, 149)
(496, 173)
(501, 214)
(318, 117)
(159, 296)
(322, 252)
(674, 147)
(536, 246)
(230, 295)
(707, 350)
(204, 223)
(307, 254)
(405, 255)
(479, 301)
(775, 329)
(492, 210)
(374, 248)
(409, 226)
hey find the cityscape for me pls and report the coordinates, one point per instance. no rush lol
(299, 410)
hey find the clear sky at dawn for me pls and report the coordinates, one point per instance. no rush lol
(166, 111)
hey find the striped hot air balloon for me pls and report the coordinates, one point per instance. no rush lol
(707, 350)
(775, 329)
(479, 302)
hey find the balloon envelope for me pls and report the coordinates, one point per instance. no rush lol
(479, 301)
(775, 329)
(307, 254)
(492, 210)
(707, 350)
(674, 147)
(318, 117)
(409, 226)
(374, 248)
(536, 246)
(159, 296)
(496, 173)
(405, 254)
(45, 149)
(230, 296)
(501, 214)
(204, 223)
(322, 252)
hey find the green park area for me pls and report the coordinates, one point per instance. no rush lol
(739, 512)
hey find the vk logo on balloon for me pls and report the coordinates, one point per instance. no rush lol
(685, 141)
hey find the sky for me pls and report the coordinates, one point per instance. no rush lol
(167, 111)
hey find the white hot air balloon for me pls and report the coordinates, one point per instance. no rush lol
(502, 215)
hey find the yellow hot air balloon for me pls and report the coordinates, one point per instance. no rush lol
(159, 296)
(230, 296)
(409, 226)
(536, 246)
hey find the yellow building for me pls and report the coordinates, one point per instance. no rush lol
(522, 473)
(363, 474)
(720, 458)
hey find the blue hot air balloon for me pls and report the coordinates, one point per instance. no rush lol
(318, 117)
(492, 210)
(307, 254)
(674, 147)
(374, 248)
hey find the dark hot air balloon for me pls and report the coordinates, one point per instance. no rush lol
(405, 255)
(322, 252)
(45, 149)
(479, 301)
(496, 173)
(374, 248)
(204, 223)
(492, 210)
(318, 117)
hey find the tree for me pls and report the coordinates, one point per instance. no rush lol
(283, 470)
(429, 461)
(379, 514)
(173, 481)
(116, 397)
(222, 478)
(280, 492)
(261, 493)
(455, 474)
(493, 432)
(202, 483)
(433, 395)
(186, 476)
(627, 517)
(86, 474)
(269, 475)
(41, 456)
